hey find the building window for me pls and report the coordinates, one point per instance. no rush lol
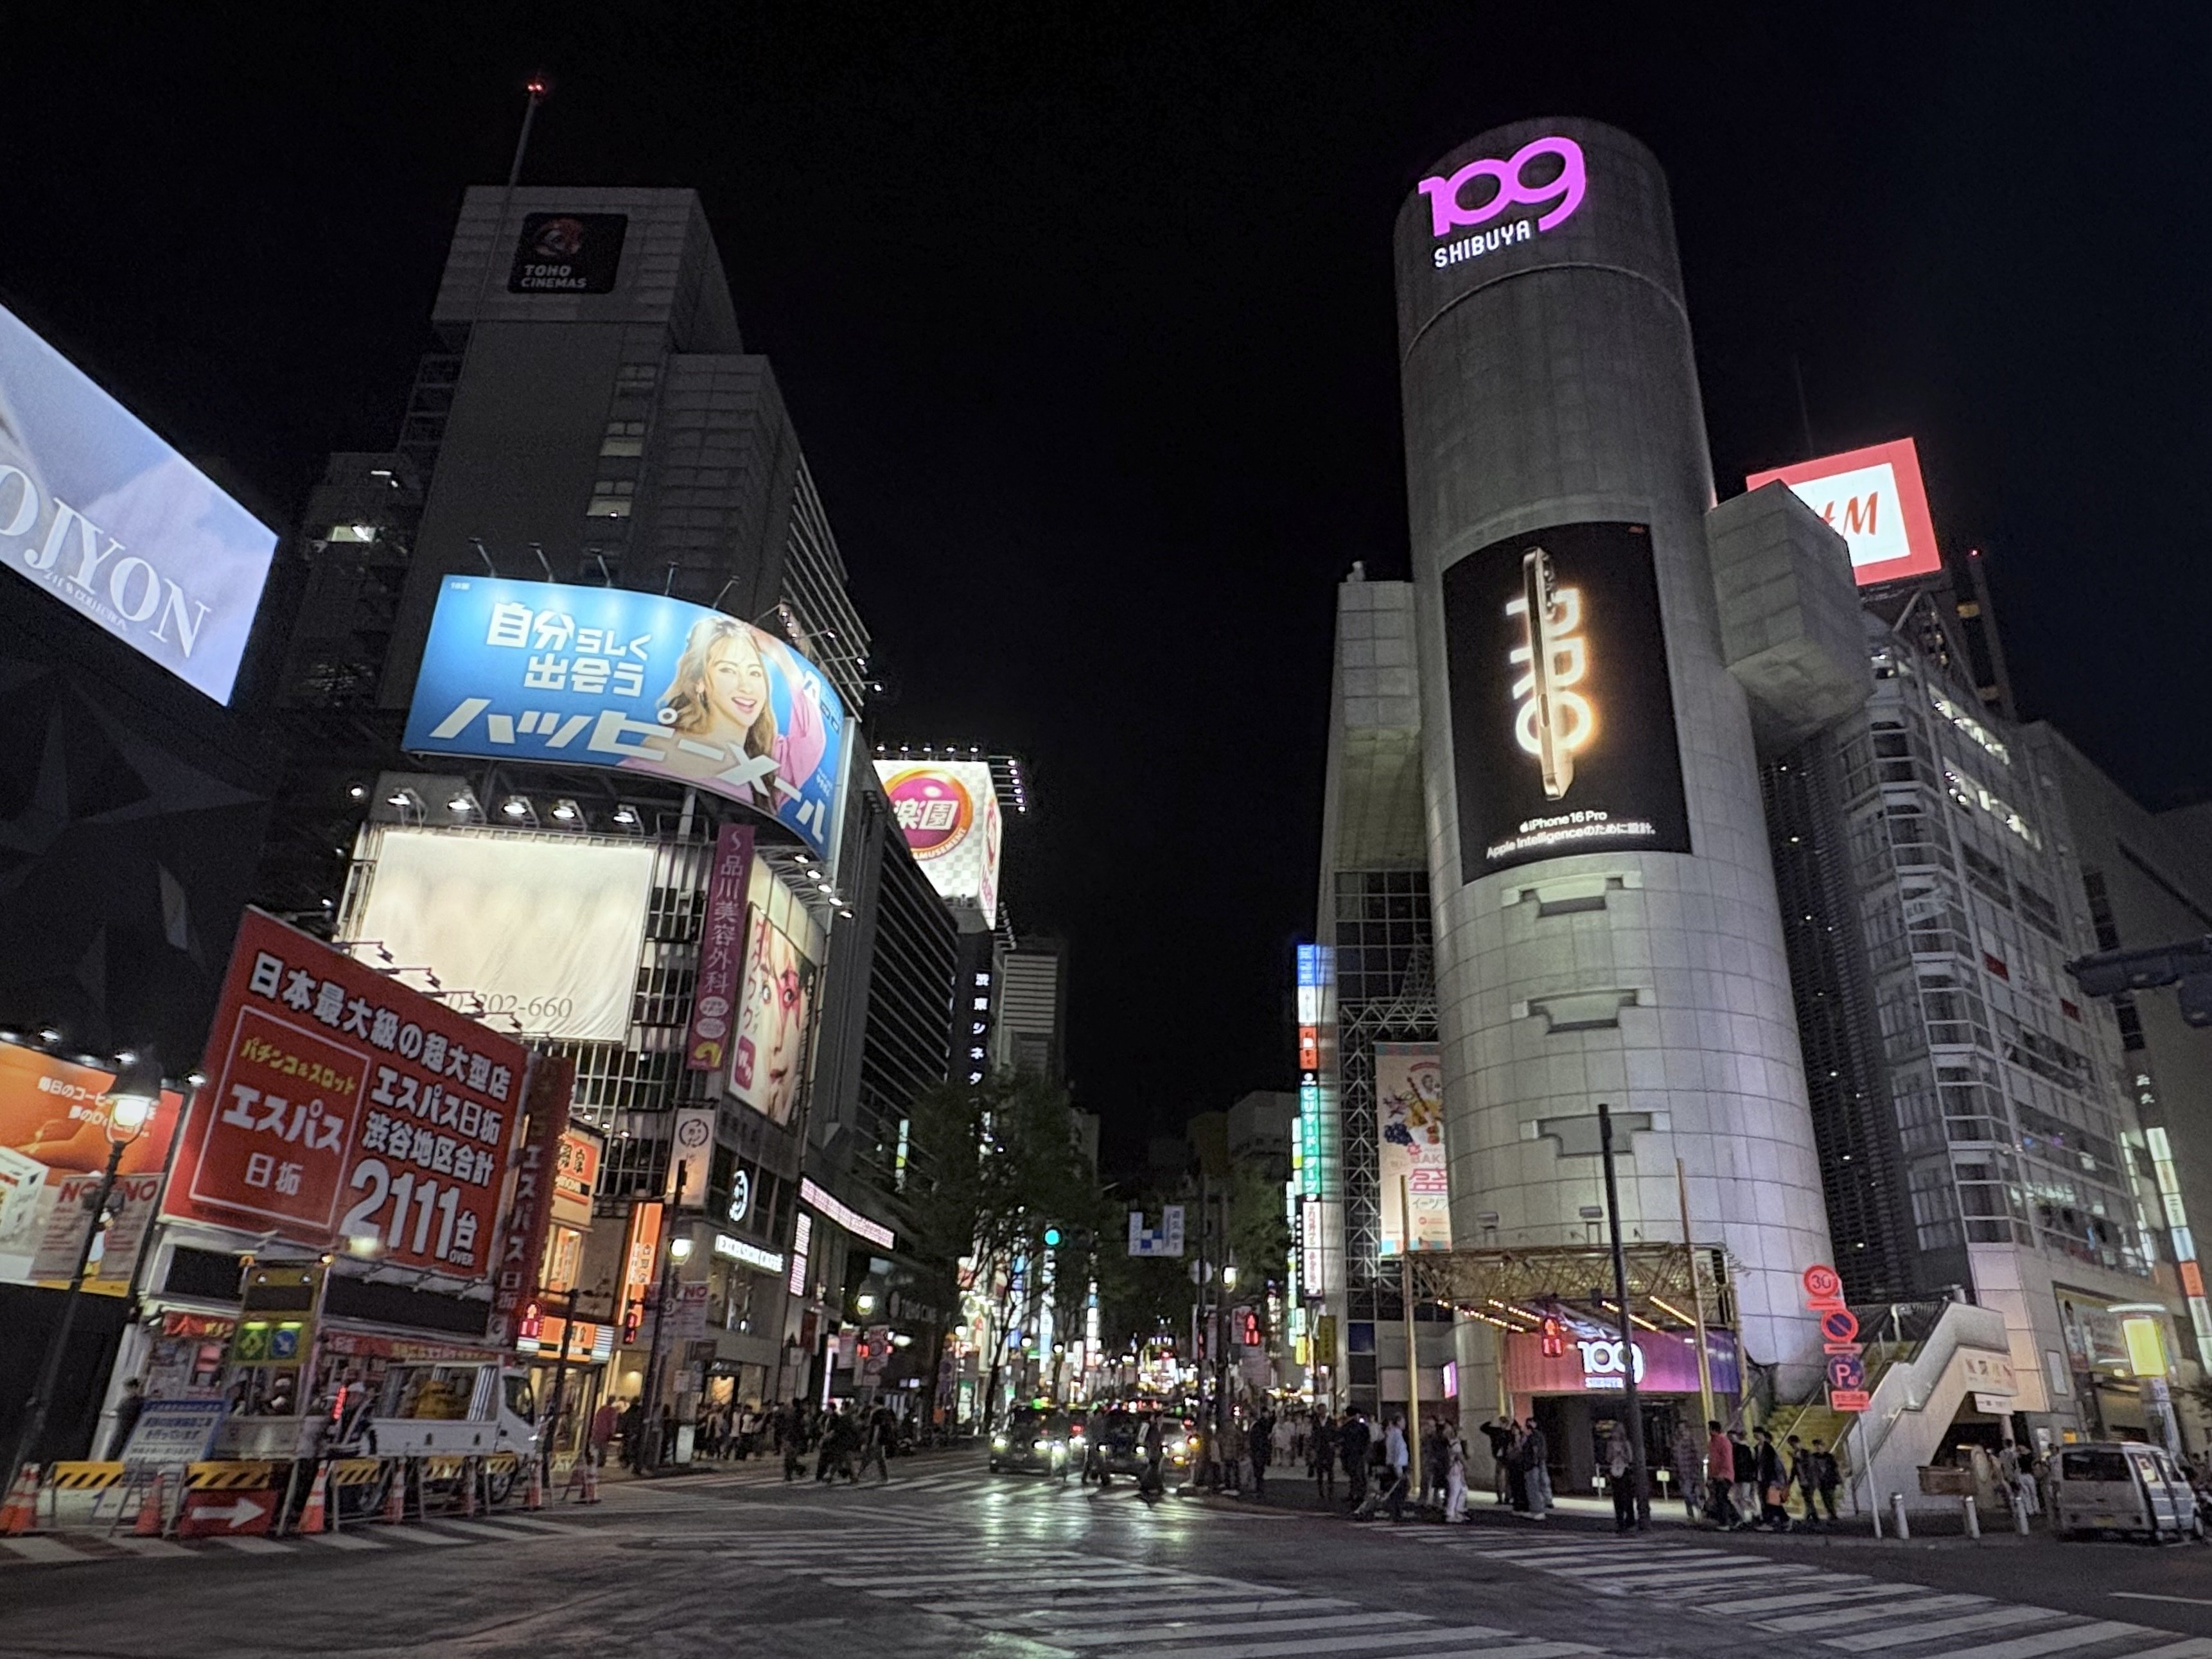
(610, 498)
(637, 377)
(623, 438)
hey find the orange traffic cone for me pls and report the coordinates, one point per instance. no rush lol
(20, 1514)
(395, 1500)
(152, 1511)
(535, 1498)
(316, 1516)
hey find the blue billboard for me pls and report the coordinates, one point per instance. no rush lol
(116, 525)
(635, 683)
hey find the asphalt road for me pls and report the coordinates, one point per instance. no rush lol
(948, 1559)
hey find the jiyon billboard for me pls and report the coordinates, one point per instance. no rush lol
(116, 525)
(949, 812)
(1874, 499)
(1409, 1123)
(632, 682)
(1562, 709)
(769, 1061)
(545, 929)
(345, 1109)
(53, 1146)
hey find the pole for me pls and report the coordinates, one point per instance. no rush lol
(522, 142)
(1413, 1349)
(1697, 1302)
(1635, 1464)
(34, 1409)
(654, 1368)
(560, 1382)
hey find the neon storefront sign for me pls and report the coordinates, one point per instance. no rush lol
(1509, 184)
(1601, 1363)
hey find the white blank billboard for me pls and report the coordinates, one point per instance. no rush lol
(545, 929)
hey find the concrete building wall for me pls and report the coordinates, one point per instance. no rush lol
(1548, 380)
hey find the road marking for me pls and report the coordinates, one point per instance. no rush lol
(2055, 1641)
(1847, 1588)
(417, 1533)
(1910, 1605)
(1150, 1603)
(2145, 1595)
(343, 1540)
(248, 1544)
(1395, 1638)
(150, 1546)
(1874, 1641)
(1204, 1607)
(1519, 1650)
(1191, 1630)
(2195, 1647)
(43, 1549)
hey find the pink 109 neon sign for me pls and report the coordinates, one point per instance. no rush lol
(1560, 195)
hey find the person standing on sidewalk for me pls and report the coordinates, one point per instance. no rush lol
(1535, 1458)
(1260, 1447)
(1352, 1446)
(1396, 1460)
(1720, 1477)
(1747, 1478)
(1455, 1478)
(1618, 1466)
(1321, 1455)
(1772, 1481)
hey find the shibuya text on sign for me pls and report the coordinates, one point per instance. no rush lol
(1558, 193)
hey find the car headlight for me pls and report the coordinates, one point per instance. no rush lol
(998, 1443)
(1042, 1445)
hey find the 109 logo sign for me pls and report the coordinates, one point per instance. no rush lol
(1557, 192)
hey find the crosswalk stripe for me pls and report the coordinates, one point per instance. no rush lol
(532, 1523)
(1116, 1613)
(247, 1544)
(1519, 1650)
(1840, 1596)
(42, 1549)
(418, 1532)
(343, 1540)
(2195, 1647)
(996, 1575)
(148, 1546)
(1908, 1606)
(1630, 1571)
(1166, 1599)
(1344, 1644)
(1877, 1641)
(2055, 1641)
(1194, 1630)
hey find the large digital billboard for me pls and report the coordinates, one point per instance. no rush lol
(949, 812)
(115, 524)
(633, 682)
(1409, 1126)
(545, 929)
(53, 1147)
(768, 1061)
(1562, 709)
(344, 1109)
(1873, 499)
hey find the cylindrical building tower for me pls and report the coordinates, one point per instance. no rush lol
(1607, 925)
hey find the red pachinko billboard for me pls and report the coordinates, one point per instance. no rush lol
(345, 1109)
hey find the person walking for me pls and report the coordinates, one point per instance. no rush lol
(1747, 1478)
(1536, 1462)
(1827, 1477)
(1619, 1471)
(791, 1435)
(1260, 1447)
(1396, 1458)
(1149, 1487)
(1689, 1471)
(1805, 1481)
(1772, 1481)
(633, 1436)
(876, 1447)
(1352, 1446)
(1321, 1455)
(1456, 1479)
(128, 1405)
(1720, 1478)
(1499, 1436)
(1516, 1469)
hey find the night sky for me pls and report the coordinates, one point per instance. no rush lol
(1087, 328)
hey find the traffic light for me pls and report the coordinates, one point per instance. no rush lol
(1052, 1238)
(1553, 1340)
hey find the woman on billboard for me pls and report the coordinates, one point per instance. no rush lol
(719, 719)
(771, 1022)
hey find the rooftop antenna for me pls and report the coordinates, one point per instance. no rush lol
(1804, 410)
(538, 88)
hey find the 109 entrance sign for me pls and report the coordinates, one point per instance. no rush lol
(345, 1110)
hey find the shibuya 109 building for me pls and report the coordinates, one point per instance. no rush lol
(1565, 760)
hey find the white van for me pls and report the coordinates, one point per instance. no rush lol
(2112, 1486)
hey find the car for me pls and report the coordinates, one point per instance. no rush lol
(2123, 1487)
(1033, 1438)
(1123, 1435)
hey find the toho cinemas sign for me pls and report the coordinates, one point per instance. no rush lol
(106, 518)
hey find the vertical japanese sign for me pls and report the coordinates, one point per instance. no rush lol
(345, 1107)
(529, 1207)
(721, 951)
(1845, 1364)
(53, 1146)
(641, 1255)
(1409, 1119)
(576, 1176)
(640, 682)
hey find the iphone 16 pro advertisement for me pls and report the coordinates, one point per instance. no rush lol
(1562, 713)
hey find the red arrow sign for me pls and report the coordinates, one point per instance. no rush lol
(209, 1513)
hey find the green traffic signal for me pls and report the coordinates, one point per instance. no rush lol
(1052, 1238)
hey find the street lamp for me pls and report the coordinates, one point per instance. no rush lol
(131, 1101)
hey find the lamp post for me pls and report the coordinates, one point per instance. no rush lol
(1631, 1406)
(131, 1101)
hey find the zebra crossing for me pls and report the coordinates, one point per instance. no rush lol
(1076, 1603)
(767, 1474)
(79, 1549)
(1851, 1613)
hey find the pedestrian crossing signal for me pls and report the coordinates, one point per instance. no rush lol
(1553, 1340)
